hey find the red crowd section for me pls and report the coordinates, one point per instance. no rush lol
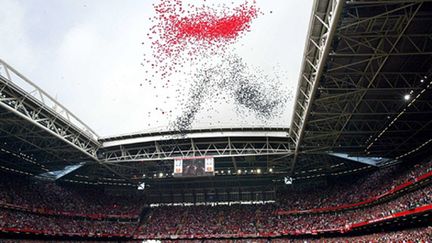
(258, 220)
(371, 200)
(417, 210)
(33, 198)
(344, 191)
(423, 234)
(135, 215)
(50, 199)
(60, 234)
(304, 232)
(40, 208)
(97, 216)
(16, 221)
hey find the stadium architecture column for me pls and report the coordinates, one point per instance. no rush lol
(364, 79)
(31, 103)
(323, 23)
(39, 130)
(218, 143)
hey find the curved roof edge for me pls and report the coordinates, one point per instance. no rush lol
(196, 133)
(192, 131)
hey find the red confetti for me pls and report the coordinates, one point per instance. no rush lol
(181, 33)
(207, 26)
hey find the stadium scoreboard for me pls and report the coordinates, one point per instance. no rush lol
(193, 167)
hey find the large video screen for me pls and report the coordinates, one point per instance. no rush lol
(192, 167)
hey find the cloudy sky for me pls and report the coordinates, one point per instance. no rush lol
(88, 55)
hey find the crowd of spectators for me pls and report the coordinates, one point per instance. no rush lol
(205, 219)
(340, 219)
(48, 196)
(262, 218)
(18, 221)
(421, 235)
(347, 192)
(201, 220)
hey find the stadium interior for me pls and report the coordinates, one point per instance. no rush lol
(355, 163)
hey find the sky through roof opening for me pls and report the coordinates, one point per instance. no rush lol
(134, 66)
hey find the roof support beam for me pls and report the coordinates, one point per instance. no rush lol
(332, 16)
(380, 67)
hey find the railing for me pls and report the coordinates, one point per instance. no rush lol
(30, 88)
(198, 127)
(44, 211)
(63, 234)
(302, 232)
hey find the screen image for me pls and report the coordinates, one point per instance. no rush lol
(192, 167)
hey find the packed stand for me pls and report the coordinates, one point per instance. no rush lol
(262, 218)
(47, 196)
(200, 220)
(409, 235)
(340, 219)
(205, 219)
(342, 192)
(17, 221)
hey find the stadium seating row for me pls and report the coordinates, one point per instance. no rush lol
(40, 208)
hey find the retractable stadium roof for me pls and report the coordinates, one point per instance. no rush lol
(365, 84)
(364, 91)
